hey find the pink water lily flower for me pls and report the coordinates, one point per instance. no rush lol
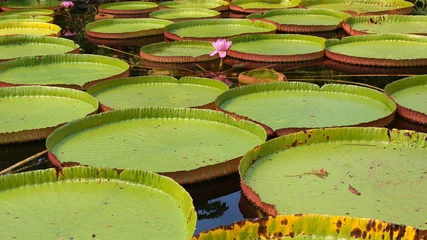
(67, 4)
(221, 47)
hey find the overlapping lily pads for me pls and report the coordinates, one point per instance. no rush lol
(386, 24)
(28, 12)
(277, 47)
(260, 6)
(126, 28)
(391, 50)
(157, 91)
(178, 51)
(25, 18)
(358, 169)
(186, 144)
(309, 226)
(410, 97)
(29, 28)
(216, 5)
(69, 70)
(212, 29)
(182, 14)
(30, 4)
(303, 20)
(286, 107)
(33, 112)
(262, 75)
(94, 203)
(12, 47)
(128, 9)
(363, 7)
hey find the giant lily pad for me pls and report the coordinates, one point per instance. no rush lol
(181, 14)
(94, 203)
(291, 106)
(312, 226)
(277, 47)
(207, 4)
(188, 145)
(62, 70)
(33, 112)
(212, 29)
(392, 50)
(26, 45)
(178, 51)
(157, 91)
(29, 28)
(126, 28)
(410, 97)
(386, 24)
(363, 7)
(28, 12)
(260, 6)
(122, 9)
(348, 171)
(30, 4)
(25, 18)
(303, 20)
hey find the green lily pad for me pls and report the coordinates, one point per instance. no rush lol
(303, 20)
(256, 6)
(207, 4)
(262, 75)
(28, 12)
(386, 24)
(124, 8)
(157, 91)
(30, 4)
(29, 28)
(25, 18)
(348, 171)
(311, 226)
(289, 106)
(363, 7)
(212, 29)
(26, 45)
(33, 112)
(178, 51)
(392, 50)
(126, 28)
(94, 203)
(409, 95)
(187, 144)
(62, 70)
(277, 47)
(181, 14)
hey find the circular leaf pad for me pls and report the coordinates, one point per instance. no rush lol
(128, 8)
(216, 5)
(181, 14)
(30, 4)
(158, 91)
(410, 97)
(62, 70)
(212, 29)
(28, 12)
(26, 45)
(277, 47)
(258, 6)
(343, 172)
(33, 112)
(379, 50)
(29, 28)
(386, 24)
(310, 226)
(25, 18)
(291, 106)
(262, 75)
(94, 203)
(187, 144)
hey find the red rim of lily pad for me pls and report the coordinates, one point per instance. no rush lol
(141, 41)
(149, 52)
(126, 35)
(41, 133)
(378, 61)
(359, 70)
(402, 84)
(280, 86)
(250, 77)
(237, 8)
(277, 58)
(105, 8)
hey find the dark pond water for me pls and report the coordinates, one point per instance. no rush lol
(218, 202)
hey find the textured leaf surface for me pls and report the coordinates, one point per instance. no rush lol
(359, 6)
(128, 5)
(179, 48)
(126, 25)
(389, 24)
(28, 28)
(184, 13)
